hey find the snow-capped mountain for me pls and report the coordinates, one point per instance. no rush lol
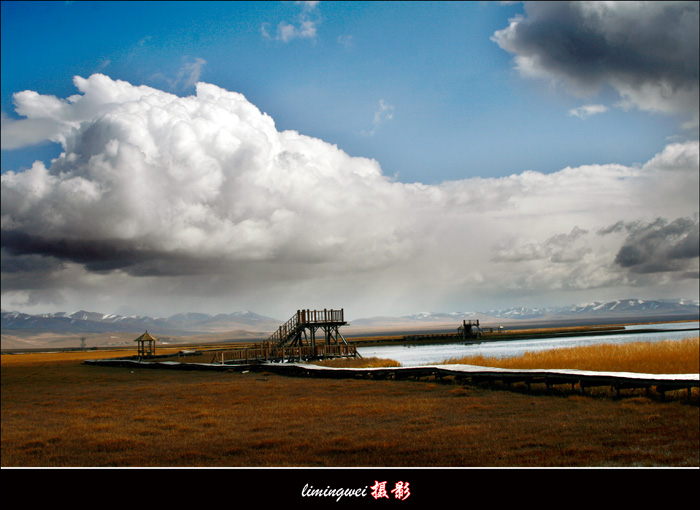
(91, 322)
(619, 308)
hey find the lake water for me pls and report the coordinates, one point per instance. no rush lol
(415, 355)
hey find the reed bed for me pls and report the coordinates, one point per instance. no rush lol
(666, 357)
(358, 363)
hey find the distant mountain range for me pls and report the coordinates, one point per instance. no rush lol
(179, 324)
(200, 323)
(630, 308)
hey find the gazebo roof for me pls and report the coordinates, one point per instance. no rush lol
(146, 338)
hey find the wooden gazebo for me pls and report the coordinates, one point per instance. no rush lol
(146, 344)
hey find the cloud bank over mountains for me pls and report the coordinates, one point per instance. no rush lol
(157, 196)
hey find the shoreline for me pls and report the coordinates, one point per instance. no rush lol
(416, 336)
(515, 334)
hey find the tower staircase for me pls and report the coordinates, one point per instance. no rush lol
(301, 328)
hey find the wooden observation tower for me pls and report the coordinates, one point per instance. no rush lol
(302, 328)
(469, 329)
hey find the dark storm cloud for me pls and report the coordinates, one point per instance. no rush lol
(30, 252)
(659, 246)
(614, 228)
(95, 255)
(647, 51)
(28, 263)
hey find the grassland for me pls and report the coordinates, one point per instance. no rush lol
(57, 411)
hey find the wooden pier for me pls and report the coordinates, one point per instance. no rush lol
(297, 340)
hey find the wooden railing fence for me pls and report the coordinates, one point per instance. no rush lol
(273, 353)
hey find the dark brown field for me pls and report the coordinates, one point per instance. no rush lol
(57, 411)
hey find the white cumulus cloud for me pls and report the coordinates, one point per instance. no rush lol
(202, 197)
(303, 27)
(587, 110)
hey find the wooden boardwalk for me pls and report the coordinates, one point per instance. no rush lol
(578, 380)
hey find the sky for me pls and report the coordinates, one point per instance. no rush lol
(382, 157)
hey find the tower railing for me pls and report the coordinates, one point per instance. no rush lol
(303, 318)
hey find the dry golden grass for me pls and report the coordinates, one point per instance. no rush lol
(58, 411)
(358, 363)
(668, 357)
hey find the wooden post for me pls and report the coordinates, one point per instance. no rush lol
(661, 392)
